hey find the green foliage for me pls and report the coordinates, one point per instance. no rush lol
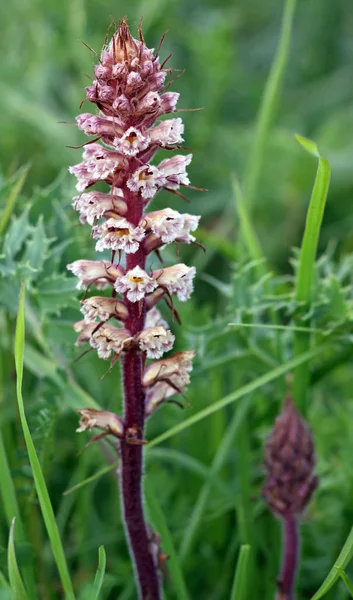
(240, 577)
(16, 583)
(203, 464)
(41, 489)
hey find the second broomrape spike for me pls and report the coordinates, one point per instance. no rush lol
(289, 463)
(290, 483)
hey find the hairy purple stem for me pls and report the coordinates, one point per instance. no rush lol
(290, 554)
(132, 454)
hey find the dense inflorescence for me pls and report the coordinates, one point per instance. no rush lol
(128, 131)
(123, 320)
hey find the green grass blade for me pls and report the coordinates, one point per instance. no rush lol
(243, 391)
(342, 561)
(248, 233)
(240, 577)
(98, 580)
(93, 477)
(42, 492)
(196, 518)
(11, 508)
(7, 491)
(4, 584)
(184, 461)
(11, 201)
(347, 581)
(269, 101)
(16, 583)
(160, 524)
(304, 284)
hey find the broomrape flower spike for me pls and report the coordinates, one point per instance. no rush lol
(290, 483)
(128, 92)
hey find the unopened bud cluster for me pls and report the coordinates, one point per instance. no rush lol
(129, 92)
(289, 463)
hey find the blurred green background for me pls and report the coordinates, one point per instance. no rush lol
(226, 49)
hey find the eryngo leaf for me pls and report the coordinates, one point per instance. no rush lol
(56, 292)
(37, 247)
(18, 232)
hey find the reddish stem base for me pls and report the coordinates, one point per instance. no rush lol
(130, 479)
(290, 553)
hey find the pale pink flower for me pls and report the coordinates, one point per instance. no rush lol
(94, 205)
(166, 224)
(107, 339)
(155, 341)
(134, 82)
(168, 102)
(85, 330)
(98, 164)
(174, 369)
(121, 105)
(156, 395)
(191, 223)
(177, 279)
(97, 272)
(102, 126)
(150, 103)
(173, 170)
(118, 234)
(102, 308)
(170, 174)
(155, 319)
(135, 284)
(168, 132)
(102, 419)
(145, 180)
(132, 142)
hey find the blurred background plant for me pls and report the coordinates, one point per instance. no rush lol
(203, 482)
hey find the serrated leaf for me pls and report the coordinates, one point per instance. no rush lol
(18, 231)
(56, 293)
(7, 266)
(40, 365)
(37, 248)
(12, 197)
(9, 288)
(54, 256)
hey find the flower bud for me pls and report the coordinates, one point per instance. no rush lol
(289, 462)
(102, 308)
(174, 369)
(102, 419)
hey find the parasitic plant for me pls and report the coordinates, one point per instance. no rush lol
(123, 320)
(290, 483)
